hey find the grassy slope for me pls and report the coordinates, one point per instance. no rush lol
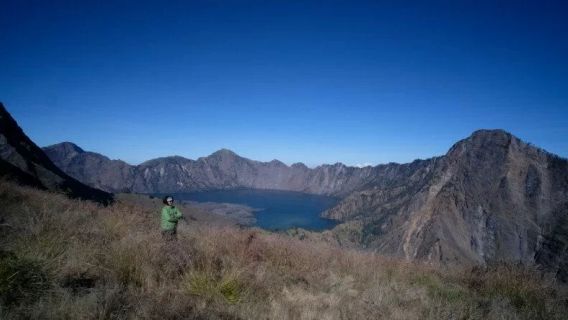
(67, 259)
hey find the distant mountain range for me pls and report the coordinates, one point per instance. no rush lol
(23, 161)
(490, 198)
(221, 170)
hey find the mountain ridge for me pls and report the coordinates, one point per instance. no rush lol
(89, 164)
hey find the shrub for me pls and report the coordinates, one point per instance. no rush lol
(207, 285)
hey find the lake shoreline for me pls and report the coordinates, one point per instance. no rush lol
(242, 214)
(273, 210)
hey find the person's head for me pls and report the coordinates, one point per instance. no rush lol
(169, 200)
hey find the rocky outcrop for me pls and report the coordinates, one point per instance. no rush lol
(23, 161)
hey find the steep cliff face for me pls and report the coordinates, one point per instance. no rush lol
(24, 161)
(492, 197)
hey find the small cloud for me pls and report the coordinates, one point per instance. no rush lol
(362, 165)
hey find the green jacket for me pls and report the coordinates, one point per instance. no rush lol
(170, 217)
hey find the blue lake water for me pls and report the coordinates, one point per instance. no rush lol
(279, 210)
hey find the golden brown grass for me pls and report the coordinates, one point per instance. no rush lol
(67, 259)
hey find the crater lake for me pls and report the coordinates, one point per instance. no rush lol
(274, 210)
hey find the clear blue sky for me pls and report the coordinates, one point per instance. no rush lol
(311, 81)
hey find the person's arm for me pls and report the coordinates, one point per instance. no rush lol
(178, 214)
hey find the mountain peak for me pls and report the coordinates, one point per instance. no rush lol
(277, 162)
(483, 140)
(223, 152)
(65, 151)
(67, 147)
(490, 133)
(299, 165)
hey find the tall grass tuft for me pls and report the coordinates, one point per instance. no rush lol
(22, 280)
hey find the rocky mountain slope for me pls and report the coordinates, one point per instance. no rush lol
(491, 198)
(92, 168)
(23, 161)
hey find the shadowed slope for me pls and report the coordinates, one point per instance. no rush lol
(25, 162)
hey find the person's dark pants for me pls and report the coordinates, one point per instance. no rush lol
(169, 235)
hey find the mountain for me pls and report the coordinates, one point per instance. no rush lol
(92, 168)
(491, 198)
(223, 169)
(23, 161)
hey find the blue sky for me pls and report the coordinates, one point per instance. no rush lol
(311, 81)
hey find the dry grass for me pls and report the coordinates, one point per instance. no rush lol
(67, 259)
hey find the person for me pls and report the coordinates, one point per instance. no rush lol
(170, 217)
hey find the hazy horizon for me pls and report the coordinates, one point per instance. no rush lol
(314, 82)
